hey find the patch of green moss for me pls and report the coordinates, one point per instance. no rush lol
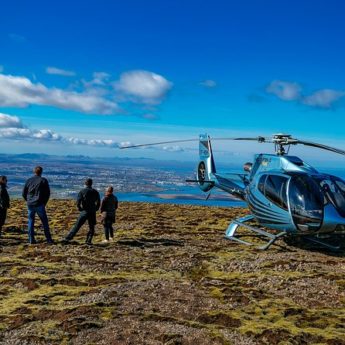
(341, 283)
(217, 293)
(18, 297)
(270, 315)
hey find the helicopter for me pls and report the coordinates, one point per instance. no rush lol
(282, 192)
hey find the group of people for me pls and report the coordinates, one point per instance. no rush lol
(36, 193)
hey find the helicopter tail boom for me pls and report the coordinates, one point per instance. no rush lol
(207, 176)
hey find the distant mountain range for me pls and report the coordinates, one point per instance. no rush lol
(40, 158)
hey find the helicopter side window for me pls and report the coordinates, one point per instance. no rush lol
(275, 190)
(334, 189)
(340, 196)
(306, 203)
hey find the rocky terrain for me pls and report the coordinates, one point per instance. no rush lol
(168, 278)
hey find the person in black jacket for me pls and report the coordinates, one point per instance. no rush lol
(88, 203)
(108, 209)
(4, 201)
(36, 193)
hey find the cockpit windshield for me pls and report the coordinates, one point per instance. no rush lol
(334, 190)
(306, 202)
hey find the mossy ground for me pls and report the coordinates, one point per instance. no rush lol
(169, 278)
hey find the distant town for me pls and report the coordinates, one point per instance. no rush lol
(66, 174)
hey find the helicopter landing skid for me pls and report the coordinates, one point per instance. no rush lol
(232, 228)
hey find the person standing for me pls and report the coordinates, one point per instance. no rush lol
(4, 201)
(36, 193)
(108, 209)
(88, 203)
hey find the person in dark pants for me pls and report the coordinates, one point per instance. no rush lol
(4, 201)
(108, 209)
(36, 193)
(88, 203)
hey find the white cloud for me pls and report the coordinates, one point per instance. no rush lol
(47, 135)
(21, 92)
(59, 71)
(141, 91)
(143, 86)
(94, 142)
(7, 121)
(292, 91)
(287, 91)
(100, 78)
(11, 127)
(174, 148)
(25, 133)
(324, 98)
(208, 83)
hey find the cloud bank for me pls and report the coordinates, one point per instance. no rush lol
(11, 127)
(21, 92)
(8, 121)
(292, 91)
(138, 89)
(325, 98)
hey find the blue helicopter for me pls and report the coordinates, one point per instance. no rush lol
(283, 192)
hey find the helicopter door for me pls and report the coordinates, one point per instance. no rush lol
(306, 203)
(274, 187)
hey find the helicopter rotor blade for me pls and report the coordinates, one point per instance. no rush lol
(259, 139)
(159, 143)
(321, 146)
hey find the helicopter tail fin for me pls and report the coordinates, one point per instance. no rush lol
(206, 167)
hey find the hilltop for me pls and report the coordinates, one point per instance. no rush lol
(169, 278)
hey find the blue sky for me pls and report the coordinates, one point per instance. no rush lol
(82, 77)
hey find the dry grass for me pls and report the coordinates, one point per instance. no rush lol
(169, 278)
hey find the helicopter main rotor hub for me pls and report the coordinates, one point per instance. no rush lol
(280, 140)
